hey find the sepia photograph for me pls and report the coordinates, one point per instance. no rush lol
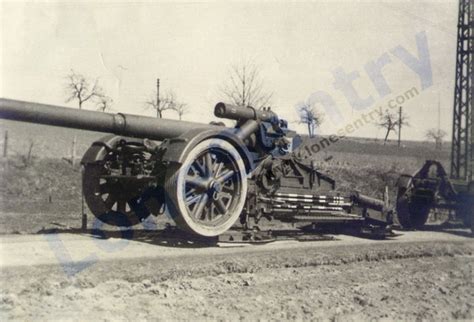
(228, 161)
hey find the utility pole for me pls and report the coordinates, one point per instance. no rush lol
(158, 97)
(399, 125)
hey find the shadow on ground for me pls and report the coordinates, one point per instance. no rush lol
(170, 236)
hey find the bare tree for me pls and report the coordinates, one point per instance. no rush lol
(181, 109)
(310, 116)
(168, 102)
(392, 122)
(81, 89)
(104, 103)
(436, 135)
(245, 86)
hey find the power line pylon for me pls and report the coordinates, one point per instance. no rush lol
(462, 153)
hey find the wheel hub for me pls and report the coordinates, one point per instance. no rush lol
(214, 189)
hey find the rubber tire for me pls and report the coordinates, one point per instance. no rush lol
(174, 182)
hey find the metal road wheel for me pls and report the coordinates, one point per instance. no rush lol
(114, 202)
(206, 194)
(412, 215)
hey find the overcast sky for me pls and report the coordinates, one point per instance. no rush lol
(190, 47)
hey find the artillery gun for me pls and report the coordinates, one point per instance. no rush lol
(205, 176)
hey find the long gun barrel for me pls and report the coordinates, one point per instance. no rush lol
(120, 124)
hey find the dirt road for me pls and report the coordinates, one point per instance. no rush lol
(78, 277)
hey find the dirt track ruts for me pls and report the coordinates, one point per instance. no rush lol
(417, 275)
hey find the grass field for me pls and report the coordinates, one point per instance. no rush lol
(49, 189)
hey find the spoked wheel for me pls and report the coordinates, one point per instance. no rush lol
(115, 203)
(206, 194)
(113, 195)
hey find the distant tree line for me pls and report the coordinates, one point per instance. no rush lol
(244, 87)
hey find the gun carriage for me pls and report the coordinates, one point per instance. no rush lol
(204, 176)
(430, 188)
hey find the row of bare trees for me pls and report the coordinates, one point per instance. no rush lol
(391, 122)
(83, 90)
(244, 87)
